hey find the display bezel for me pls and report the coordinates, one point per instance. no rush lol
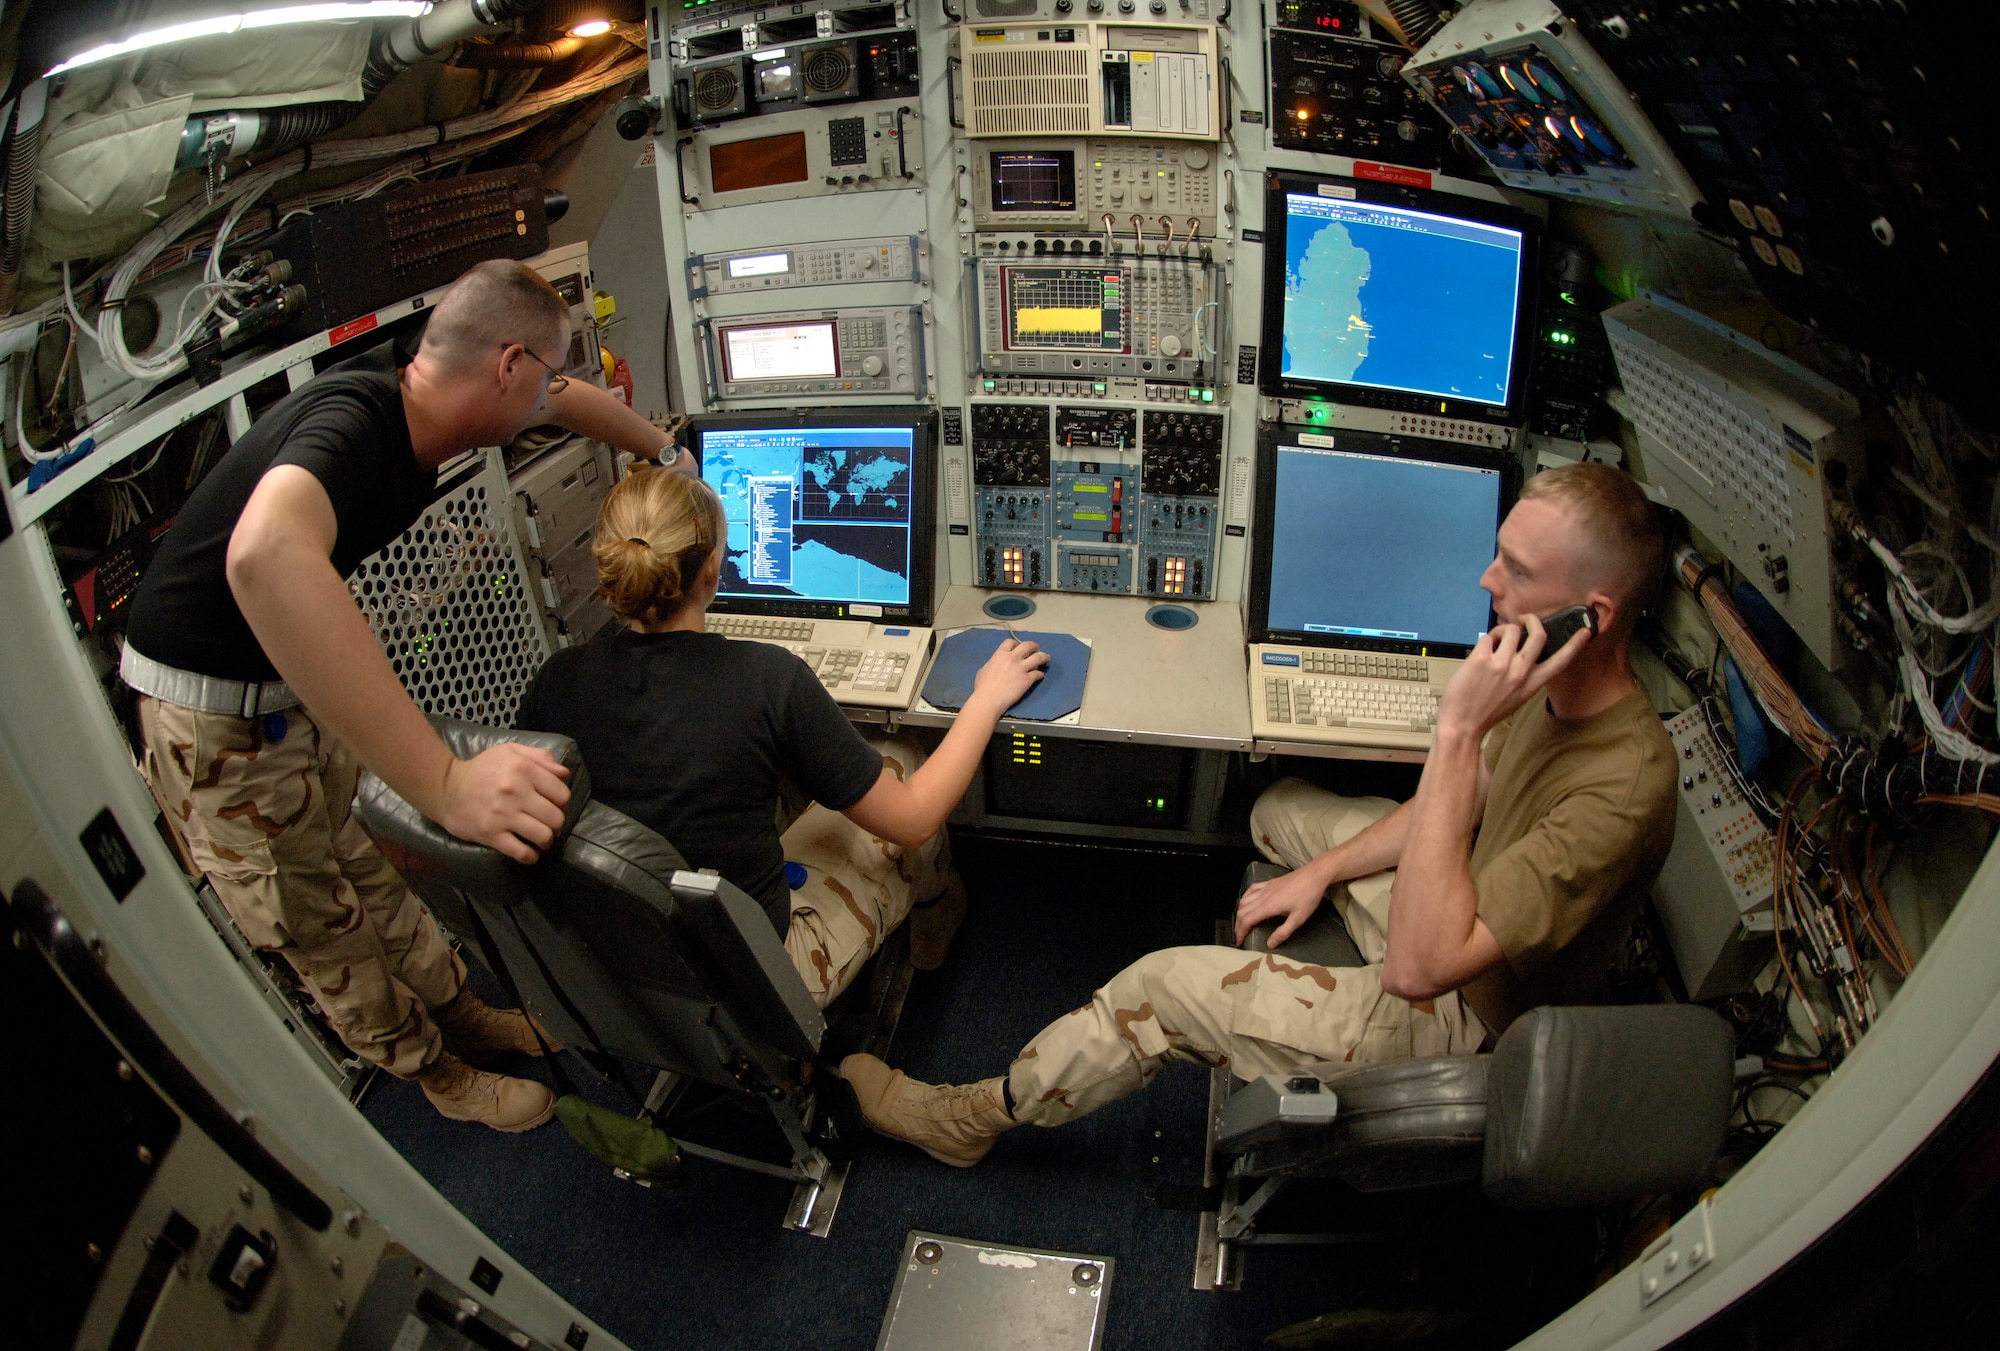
(724, 330)
(923, 515)
(1263, 532)
(1271, 380)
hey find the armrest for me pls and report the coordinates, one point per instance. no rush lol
(1274, 1107)
(1592, 1105)
(1322, 940)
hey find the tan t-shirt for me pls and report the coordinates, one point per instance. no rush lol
(1578, 822)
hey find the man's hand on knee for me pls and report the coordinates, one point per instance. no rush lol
(1292, 898)
(510, 797)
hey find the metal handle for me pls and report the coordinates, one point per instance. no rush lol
(680, 145)
(951, 66)
(902, 144)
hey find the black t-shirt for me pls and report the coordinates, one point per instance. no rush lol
(688, 732)
(346, 427)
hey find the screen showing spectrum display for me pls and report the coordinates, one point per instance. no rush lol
(1373, 547)
(1064, 309)
(816, 513)
(1392, 298)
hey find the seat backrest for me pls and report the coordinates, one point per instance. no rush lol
(613, 942)
(1586, 1106)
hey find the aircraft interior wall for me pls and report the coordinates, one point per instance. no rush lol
(1081, 323)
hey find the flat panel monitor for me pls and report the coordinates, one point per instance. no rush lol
(1362, 544)
(1392, 297)
(830, 515)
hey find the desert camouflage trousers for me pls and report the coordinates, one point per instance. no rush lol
(264, 805)
(858, 887)
(1254, 1013)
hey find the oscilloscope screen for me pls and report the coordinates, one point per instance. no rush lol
(1064, 309)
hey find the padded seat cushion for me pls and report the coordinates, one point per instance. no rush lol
(1403, 1123)
(1594, 1105)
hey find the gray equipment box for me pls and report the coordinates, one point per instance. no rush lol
(952, 1292)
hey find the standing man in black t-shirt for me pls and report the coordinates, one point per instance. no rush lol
(262, 690)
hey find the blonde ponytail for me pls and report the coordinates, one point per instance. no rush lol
(655, 533)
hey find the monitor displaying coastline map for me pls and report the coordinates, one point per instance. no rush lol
(815, 513)
(1395, 298)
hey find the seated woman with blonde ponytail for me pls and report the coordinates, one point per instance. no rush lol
(718, 744)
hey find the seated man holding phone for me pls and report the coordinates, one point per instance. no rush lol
(1544, 813)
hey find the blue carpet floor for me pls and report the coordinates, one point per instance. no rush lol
(707, 1268)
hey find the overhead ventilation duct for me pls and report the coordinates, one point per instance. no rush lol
(212, 138)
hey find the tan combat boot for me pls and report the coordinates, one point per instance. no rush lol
(934, 924)
(462, 1093)
(477, 1032)
(953, 1123)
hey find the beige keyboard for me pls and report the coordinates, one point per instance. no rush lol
(867, 665)
(1345, 698)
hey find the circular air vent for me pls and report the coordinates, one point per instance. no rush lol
(716, 89)
(827, 70)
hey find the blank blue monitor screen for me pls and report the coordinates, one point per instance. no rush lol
(1370, 547)
(1393, 298)
(816, 513)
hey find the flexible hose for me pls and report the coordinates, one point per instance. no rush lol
(1419, 19)
(24, 155)
(516, 55)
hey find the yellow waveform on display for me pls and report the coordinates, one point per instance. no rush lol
(1049, 319)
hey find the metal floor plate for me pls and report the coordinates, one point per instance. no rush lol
(966, 1296)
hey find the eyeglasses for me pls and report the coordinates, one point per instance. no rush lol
(557, 380)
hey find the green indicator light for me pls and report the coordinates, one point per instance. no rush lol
(990, 385)
(1208, 396)
(1098, 387)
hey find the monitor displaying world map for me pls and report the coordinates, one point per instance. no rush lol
(814, 513)
(1392, 298)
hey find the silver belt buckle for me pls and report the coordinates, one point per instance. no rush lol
(253, 696)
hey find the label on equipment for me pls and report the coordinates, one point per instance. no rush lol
(1392, 173)
(954, 489)
(1239, 489)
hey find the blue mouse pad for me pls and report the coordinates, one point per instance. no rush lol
(1057, 694)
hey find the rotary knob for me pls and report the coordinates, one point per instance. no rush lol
(1195, 157)
(871, 365)
(1170, 346)
(867, 262)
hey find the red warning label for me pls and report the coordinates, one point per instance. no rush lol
(1393, 173)
(353, 328)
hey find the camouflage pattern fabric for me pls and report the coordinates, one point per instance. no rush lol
(1252, 1013)
(264, 806)
(858, 887)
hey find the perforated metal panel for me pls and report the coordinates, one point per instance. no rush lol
(450, 604)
